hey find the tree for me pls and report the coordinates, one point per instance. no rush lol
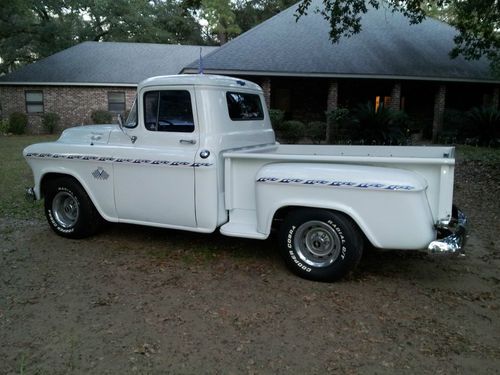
(29, 27)
(250, 13)
(33, 29)
(478, 21)
(221, 20)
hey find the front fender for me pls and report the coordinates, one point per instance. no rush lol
(89, 165)
(389, 205)
(107, 211)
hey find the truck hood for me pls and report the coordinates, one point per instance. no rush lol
(87, 134)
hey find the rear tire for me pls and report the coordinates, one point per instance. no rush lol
(320, 244)
(69, 210)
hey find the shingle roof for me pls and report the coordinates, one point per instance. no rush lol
(387, 46)
(107, 63)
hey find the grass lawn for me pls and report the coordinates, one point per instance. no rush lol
(15, 175)
(486, 155)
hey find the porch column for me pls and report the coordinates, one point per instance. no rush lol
(395, 104)
(331, 105)
(495, 98)
(266, 87)
(439, 105)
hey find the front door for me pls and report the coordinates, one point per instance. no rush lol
(154, 177)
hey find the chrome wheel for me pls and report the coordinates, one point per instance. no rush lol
(317, 244)
(65, 209)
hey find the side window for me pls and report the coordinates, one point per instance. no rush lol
(243, 106)
(131, 121)
(151, 110)
(168, 111)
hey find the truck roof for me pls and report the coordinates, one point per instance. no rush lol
(199, 80)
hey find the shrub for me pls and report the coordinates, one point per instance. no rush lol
(485, 123)
(101, 116)
(276, 116)
(292, 131)
(50, 122)
(316, 130)
(339, 121)
(381, 126)
(455, 127)
(4, 126)
(17, 123)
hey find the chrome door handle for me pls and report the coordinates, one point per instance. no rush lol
(187, 141)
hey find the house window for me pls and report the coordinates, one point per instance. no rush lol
(116, 102)
(384, 101)
(34, 101)
(242, 106)
(168, 111)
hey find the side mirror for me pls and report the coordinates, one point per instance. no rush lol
(120, 124)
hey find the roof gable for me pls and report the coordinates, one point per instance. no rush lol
(387, 46)
(107, 63)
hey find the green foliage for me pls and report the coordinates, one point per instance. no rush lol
(221, 20)
(365, 125)
(486, 123)
(381, 126)
(276, 116)
(292, 131)
(4, 126)
(17, 123)
(50, 122)
(339, 121)
(455, 125)
(16, 175)
(101, 117)
(477, 21)
(316, 130)
(250, 13)
(30, 30)
(478, 24)
(479, 126)
(485, 155)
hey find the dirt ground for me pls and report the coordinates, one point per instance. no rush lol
(148, 301)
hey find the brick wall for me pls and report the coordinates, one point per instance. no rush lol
(74, 104)
(266, 88)
(439, 107)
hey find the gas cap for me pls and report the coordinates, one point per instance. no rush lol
(204, 154)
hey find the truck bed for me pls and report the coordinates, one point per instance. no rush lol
(434, 164)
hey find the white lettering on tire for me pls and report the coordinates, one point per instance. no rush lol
(289, 244)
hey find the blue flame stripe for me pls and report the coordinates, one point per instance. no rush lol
(336, 183)
(109, 159)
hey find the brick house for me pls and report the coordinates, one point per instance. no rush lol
(301, 71)
(89, 76)
(403, 66)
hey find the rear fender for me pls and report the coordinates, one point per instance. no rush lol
(389, 205)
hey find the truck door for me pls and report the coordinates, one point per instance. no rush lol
(154, 177)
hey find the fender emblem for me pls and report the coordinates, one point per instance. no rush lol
(100, 174)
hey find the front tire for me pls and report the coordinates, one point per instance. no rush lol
(69, 210)
(320, 244)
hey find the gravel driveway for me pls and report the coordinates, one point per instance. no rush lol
(141, 300)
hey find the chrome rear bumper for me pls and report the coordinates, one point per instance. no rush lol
(455, 235)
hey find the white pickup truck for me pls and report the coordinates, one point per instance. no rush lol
(198, 153)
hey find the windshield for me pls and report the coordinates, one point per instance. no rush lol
(132, 116)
